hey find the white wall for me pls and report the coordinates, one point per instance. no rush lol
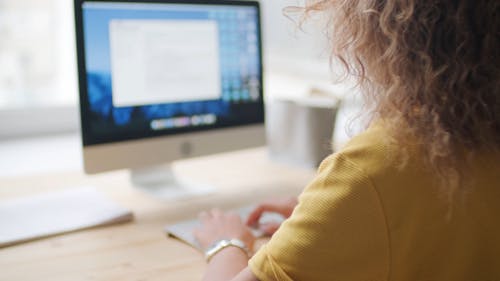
(292, 50)
(283, 37)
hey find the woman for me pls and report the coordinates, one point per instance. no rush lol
(414, 197)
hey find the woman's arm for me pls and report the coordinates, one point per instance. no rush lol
(246, 275)
(231, 262)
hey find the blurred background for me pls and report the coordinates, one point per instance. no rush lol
(39, 112)
(38, 80)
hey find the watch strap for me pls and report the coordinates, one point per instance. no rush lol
(224, 243)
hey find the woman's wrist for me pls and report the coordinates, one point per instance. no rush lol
(227, 254)
(226, 264)
(225, 244)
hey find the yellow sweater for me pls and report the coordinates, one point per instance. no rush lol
(365, 219)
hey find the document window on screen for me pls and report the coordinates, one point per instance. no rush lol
(162, 60)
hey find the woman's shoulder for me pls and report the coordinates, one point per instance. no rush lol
(371, 155)
(371, 151)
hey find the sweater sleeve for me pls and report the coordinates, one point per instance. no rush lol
(336, 232)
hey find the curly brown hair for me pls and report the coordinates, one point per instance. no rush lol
(430, 70)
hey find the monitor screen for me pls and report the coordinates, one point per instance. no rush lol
(157, 68)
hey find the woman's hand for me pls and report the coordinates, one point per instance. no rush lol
(283, 206)
(216, 225)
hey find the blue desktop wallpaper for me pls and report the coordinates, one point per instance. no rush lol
(98, 65)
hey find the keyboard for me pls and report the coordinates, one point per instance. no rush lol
(184, 230)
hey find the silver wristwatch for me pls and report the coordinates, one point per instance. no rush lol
(221, 244)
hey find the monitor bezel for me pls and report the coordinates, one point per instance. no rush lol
(90, 140)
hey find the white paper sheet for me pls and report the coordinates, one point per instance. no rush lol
(44, 215)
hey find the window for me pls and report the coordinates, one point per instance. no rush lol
(37, 56)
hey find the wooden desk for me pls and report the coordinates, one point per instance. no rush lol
(140, 250)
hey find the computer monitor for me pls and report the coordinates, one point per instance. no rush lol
(162, 80)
